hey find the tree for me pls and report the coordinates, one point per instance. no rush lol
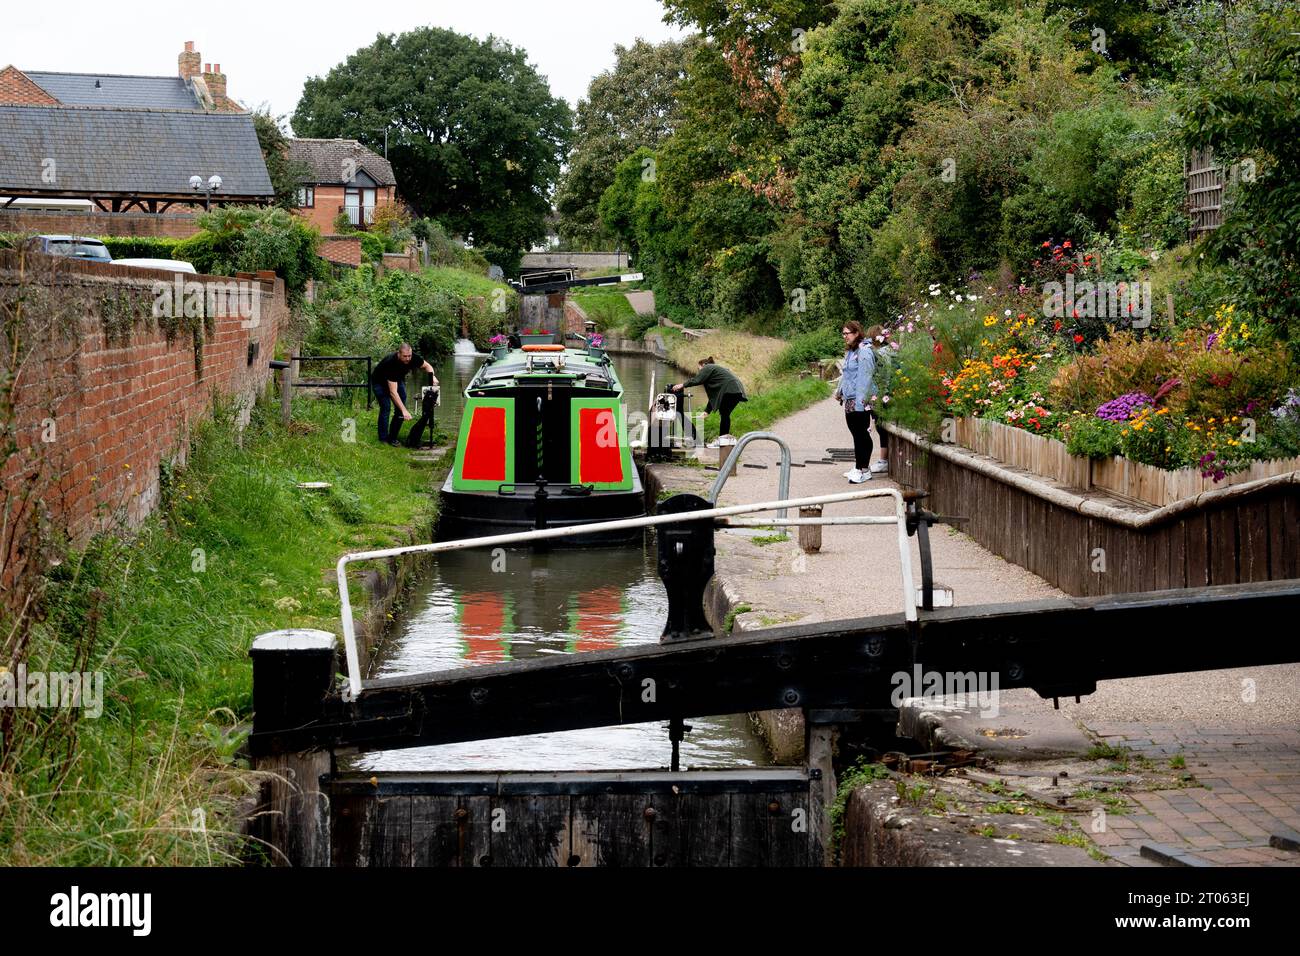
(286, 175)
(474, 135)
(772, 28)
(627, 108)
(1248, 113)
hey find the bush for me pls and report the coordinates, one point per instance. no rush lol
(392, 225)
(1122, 363)
(640, 324)
(807, 348)
(141, 247)
(372, 248)
(446, 251)
(1220, 384)
(1091, 437)
(249, 240)
(363, 315)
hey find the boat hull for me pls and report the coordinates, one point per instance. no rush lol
(473, 514)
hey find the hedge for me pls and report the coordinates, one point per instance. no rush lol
(140, 247)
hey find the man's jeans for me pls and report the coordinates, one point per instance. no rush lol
(387, 433)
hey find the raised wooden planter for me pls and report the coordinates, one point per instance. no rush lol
(1119, 476)
(1086, 543)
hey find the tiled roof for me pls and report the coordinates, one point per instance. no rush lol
(140, 92)
(98, 151)
(329, 161)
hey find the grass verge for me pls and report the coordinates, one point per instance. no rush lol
(236, 549)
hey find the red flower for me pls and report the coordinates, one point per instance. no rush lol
(937, 348)
(1056, 326)
(1078, 339)
(1048, 244)
(1066, 244)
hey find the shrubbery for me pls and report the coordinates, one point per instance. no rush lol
(364, 315)
(248, 240)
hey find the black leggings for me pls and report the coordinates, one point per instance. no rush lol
(860, 428)
(725, 408)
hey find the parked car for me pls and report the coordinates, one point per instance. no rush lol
(75, 247)
(170, 265)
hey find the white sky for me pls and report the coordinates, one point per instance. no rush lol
(268, 48)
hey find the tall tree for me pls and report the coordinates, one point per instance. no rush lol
(286, 175)
(627, 108)
(475, 136)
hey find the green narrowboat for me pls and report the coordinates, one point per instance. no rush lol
(543, 444)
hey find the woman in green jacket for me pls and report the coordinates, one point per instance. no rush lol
(725, 392)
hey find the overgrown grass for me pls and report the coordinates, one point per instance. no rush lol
(754, 360)
(859, 775)
(236, 550)
(607, 307)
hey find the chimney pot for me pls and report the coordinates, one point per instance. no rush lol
(216, 68)
(188, 62)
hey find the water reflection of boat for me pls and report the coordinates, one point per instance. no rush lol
(543, 443)
(535, 604)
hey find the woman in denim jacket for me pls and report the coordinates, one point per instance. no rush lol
(856, 393)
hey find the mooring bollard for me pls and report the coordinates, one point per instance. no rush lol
(810, 535)
(293, 672)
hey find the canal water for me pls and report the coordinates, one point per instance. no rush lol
(472, 608)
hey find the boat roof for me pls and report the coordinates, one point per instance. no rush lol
(578, 365)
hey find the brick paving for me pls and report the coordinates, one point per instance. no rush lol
(1249, 791)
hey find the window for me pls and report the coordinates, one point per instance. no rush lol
(360, 204)
(306, 197)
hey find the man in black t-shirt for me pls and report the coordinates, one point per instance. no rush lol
(388, 382)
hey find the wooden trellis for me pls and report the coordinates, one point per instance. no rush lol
(1204, 191)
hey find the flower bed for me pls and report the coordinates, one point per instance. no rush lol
(1050, 458)
(1147, 407)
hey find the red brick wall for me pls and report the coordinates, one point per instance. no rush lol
(345, 250)
(406, 261)
(178, 226)
(138, 400)
(17, 87)
(329, 201)
(575, 319)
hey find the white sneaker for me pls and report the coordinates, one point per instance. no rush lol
(879, 467)
(857, 477)
(713, 444)
(727, 440)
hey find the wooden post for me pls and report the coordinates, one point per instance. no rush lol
(293, 671)
(819, 746)
(810, 535)
(723, 451)
(286, 394)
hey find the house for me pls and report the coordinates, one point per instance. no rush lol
(127, 144)
(341, 176)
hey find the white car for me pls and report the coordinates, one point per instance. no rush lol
(169, 265)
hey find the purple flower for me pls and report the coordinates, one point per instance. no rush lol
(1123, 408)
